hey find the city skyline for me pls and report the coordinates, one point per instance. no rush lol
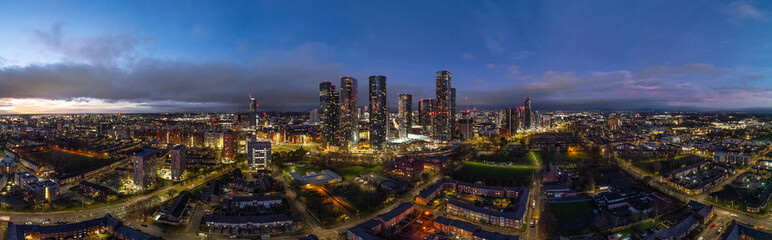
(110, 57)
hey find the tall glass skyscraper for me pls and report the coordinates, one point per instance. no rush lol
(349, 118)
(405, 114)
(379, 111)
(425, 114)
(330, 113)
(528, 121)
(252, 111)
(441, 130)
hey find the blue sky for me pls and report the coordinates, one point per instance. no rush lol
(109, 56)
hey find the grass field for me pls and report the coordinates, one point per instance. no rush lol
(68, 163)
(495, 175)
(572, 210)
(353, 171)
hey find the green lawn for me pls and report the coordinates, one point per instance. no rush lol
(572, 210)
(495, 175)
(353, 171)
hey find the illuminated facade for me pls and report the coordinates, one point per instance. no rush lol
(178, 162)
(442, 126)
(405, 114)
(379, 112)
(349, 119)
(330, 113)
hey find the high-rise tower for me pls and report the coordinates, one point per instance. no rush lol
(441, 129)
(330, 113)
(379, 111)
(528, 119)
(349, 119)
(405, 114)
(425, 114)
(252, 111)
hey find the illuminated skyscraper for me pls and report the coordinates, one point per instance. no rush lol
(379, 111)
(425, 115)
(510, 121)
(252, 112)
(405, 114)
(452, 120)
(349, 118)
(441, 129)
(330, 113)
(528, 119)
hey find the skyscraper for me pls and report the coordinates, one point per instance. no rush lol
(528, 119)
(453, 128)
(510, 121)
(349, 118)
(405, 114)
(425, 108)
(330, 113)
(379, 111)
(252, 111)
(178, 162)
(441, 129)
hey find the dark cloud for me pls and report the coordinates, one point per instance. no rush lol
(101, 50)
(284, 80)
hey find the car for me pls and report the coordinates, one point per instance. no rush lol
(163, 230)
(734, 215)
(419, 221)
(143, 225)
(712, 226)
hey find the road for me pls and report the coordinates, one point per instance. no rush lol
(117, 209)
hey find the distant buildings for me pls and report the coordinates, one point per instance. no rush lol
(178, 162)
(442, 126)
(259, 154)
(405, 114)
(349, 117)
(144, 169)
(330, 113)
(379, 112)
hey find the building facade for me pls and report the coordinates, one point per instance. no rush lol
(330, 113)
(442, 127)
(349, 117)
(259, 154)
(178, 162)
(144, 169)
(405, 114)
(379, 112)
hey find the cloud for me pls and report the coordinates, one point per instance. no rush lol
(468, 56)
(692, 86)
(490, 66)
(745, 10)
(286, 79)
(99, 50)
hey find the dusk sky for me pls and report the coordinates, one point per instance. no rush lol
(190, 56)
